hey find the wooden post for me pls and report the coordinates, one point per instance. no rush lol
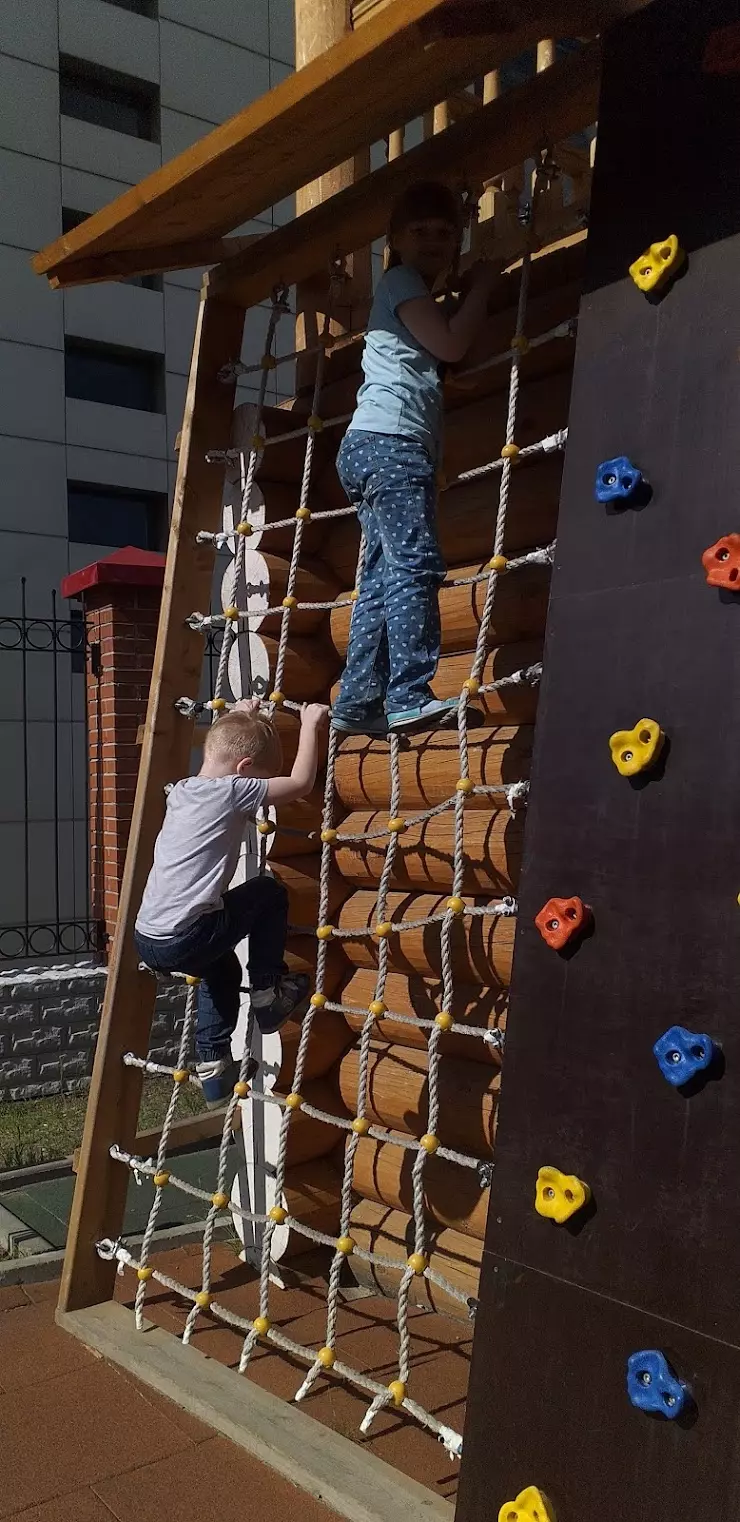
(115, 1093)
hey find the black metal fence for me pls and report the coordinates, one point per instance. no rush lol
(45, 907)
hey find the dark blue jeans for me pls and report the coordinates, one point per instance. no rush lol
(395, 636)
(257, 908)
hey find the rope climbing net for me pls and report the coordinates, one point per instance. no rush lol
(325, 1361)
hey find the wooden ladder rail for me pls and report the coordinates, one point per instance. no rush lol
(115, 1092)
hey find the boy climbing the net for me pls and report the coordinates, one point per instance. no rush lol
(190, 921)
(387, 466)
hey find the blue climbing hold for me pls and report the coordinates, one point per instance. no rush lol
(681, 1054)
(617, 480)
(652, 1386)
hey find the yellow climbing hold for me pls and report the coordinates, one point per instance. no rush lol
(277, 697)
(444, 1020)
(317, 1001)
(398, 1391)
(326, 1357)
(294, 1101)
(456, 905)
(510, 451)
(324, 932)
(203, 1299)
(559, 1195)
(530, 1506)
(384, 928)
(345, 1245)
(144, 1273)
(303, 514)
(658, 262)
(180, 1075)
(161, 1179)
(261, 1325)
(464, 785)
(377, 1008)
(429, 1143)
(278, 1214)
(360, 1125)
(498, 563)
(219, 1200)
(418, 1262)
(328, 837)
(635, 750)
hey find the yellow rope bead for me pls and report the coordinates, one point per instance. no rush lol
(303, 514)
(257, 442)
(326, 1357)
(294, 1101)
(265, 827)
(498, 563)
(231, 613)
(290, 602)
(203, 1299)
(418, 1262)
(377, 1008)
(245, 529)
(324, 932)
(268, 362)
(429, 1143)
(217, 704)
(464, 785)
(396, 826)
(317, 1000)
(384, 928)
(161, 1179)
(192, 982)
(509, 451)
(278, 1214)
(328, 837)
(360, 1125)
(456, 905)
(144, 1273)
(315, 423)
(219, 1199)
(261, 1325)
(471, 684)
(277, 697)
(345, 1245)
(398, 1391)
(241, 1089)
(354, 594)
(180, 1075)
(444, 1020)
(520, 344)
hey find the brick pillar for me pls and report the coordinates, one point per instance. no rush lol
(120, 597)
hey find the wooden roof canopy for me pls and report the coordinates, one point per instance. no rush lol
(398, 64)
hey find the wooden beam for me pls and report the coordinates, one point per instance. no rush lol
(150, 261)
(370, 82)
(183, 1133)
(553, 105)
(115, 1092)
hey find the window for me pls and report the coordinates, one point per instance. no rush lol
(117, 377)
(111, 516)
(107, 99)
(72, 219)
(142, 7)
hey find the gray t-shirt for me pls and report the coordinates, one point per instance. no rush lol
(197, 850)
(402, 390)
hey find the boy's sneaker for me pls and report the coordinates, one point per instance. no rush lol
(217, 1079)
(287, 996)
(374, 725)
(438, 713)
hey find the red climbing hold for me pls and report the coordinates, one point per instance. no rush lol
(722, 563)
(561, 919)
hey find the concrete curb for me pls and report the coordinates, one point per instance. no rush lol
(48, 1265)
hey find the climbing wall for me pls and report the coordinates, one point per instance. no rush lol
(645, 835)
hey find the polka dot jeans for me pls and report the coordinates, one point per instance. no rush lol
(395, 636)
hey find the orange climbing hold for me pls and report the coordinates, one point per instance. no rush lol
(562, 919)
(722, 563)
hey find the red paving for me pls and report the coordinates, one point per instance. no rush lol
(368, 1340)
(82, 1441)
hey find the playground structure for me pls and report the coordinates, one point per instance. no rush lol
(378, 1121)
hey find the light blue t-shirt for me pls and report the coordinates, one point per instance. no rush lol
(402, 390)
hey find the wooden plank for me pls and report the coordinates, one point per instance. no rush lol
(349, 96)
(555, 104)
(115, 1093)
(183, 1133)
(150, 261)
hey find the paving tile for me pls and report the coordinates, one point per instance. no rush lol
(195, 1431)
(215, 1481)
(86, 1426)
(77, 1506)
(32, 1348)
(48, 1289)
(12, 1296)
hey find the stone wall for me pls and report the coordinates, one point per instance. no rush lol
(49, 1026)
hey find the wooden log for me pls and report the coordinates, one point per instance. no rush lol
(300, 955)
(476, 431)
(330, 1038)
(287, 723)
(425, 853)
(310, 667)
(429, 767)
(466, 519)
(311, 1194)
(519, 612)
(270, 502)
(390, 1234)
(397, 1095)
(452, 1195)
(480, 1008)
(301, 879)
(307, 1137)
(481, 948)
(298, 829)
(314, 583)
(514, 704)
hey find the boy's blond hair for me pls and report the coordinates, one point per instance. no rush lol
(239, 736)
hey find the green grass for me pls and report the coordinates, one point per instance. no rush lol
(41, 1130)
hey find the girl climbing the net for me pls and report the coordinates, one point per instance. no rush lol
(387, 465)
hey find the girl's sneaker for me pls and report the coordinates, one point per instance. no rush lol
(287, 996)
(217, 1079)
(438, 713)
(375, 725)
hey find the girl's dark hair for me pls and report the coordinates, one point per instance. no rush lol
(426, 200)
